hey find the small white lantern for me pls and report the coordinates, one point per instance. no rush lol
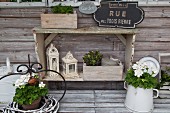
(70, 66)
(52, 59)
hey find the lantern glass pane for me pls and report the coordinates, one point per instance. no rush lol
(71, 68)
(54, 61)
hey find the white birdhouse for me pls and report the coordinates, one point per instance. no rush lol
(70, 66)
(52, 59)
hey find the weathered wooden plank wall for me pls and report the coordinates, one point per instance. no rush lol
(16, 39)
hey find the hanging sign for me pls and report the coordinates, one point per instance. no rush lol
(119, 14)
(87, 7)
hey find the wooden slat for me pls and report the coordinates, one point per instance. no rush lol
(21, 12)
(158, 46)
(19, 22)
(104, 96)
(89, 30)
(155, 22)
(16, 46)
(122, 38)
(16, 34)
(55, 20)
(72, 92)
(87, 85)
(110, 91)
(17, 57)
(77, 105)
(49, 39)
(153, 35)
(156, 12)
(76, 110)
(111, 110)
(109, 105)
(40, 49)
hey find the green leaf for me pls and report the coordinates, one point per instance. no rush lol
(146, 81)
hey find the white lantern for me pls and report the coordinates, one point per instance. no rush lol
(70, 66)
(52, 59)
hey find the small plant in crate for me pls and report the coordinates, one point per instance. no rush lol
(93, 58)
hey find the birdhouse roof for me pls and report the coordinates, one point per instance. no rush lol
(69, 58)
(52, 50)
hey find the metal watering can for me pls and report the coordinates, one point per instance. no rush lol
(139, 100)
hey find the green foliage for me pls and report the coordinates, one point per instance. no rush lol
(29, 94)
(165, 77)
(59, 9)
(93, 58)
(145, 81)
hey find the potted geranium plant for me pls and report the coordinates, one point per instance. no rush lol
(141, 82)
(62, 17)
(29, 91)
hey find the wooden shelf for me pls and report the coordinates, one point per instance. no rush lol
(127, 36)
(49, 78)
(57, 78)
(87, 30)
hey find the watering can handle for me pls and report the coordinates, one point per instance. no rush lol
(157, 93)
(125, 85)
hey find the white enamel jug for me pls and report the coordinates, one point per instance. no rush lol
(139, 99)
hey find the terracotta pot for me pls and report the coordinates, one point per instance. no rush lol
(32, 106)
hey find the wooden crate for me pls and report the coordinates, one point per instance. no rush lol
(59, 20)
(102, 73)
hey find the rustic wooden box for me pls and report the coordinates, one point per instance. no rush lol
(59, 20)
(102, 73)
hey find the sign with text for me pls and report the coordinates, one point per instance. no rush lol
(119, 14)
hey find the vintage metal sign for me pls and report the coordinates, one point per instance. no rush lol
(87, 7)
(119, 14)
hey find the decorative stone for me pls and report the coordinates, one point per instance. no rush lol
(87, 7)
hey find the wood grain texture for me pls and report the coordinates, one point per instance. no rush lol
(17, 40)
(102, 101)
(21, 12)
(19, 22)
(102, 73)
(55, 21)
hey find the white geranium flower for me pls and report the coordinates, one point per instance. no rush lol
(135, 66)
(150, 71)
(138, 72)
(22, 77)
(154, 71)
(41, 85)
(143, 66)
(27, 79)
(33, 74)
(19, 82)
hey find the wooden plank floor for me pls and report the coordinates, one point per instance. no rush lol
(103, 101)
